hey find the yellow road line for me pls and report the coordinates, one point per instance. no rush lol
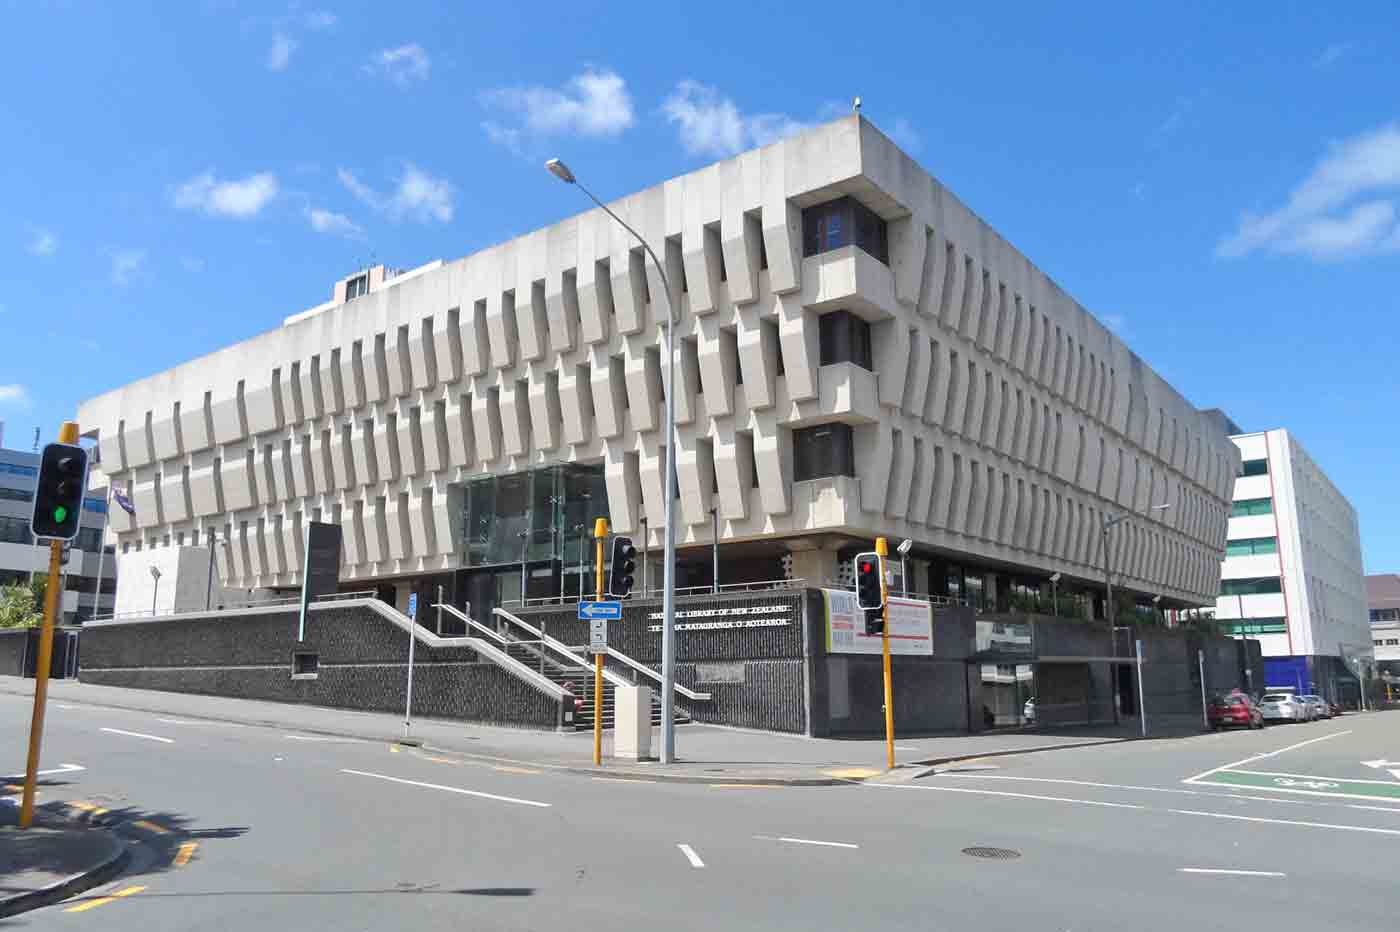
(151, 827)
(102, 900)
(439, 760)
(185, 852)
(393, 749)
(514, 770)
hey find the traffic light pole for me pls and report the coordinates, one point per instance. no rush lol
(600, 534)
(68, 434)
(882, 547)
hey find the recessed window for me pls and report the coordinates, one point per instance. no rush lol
(1254, 468)
(844, 222)
(1251, 547)
(1262, 586)
(844, 337)
(825, 450)
(1250, 507)
(356, 286)
(306, 665)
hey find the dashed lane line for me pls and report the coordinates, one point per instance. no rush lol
(1229, 872)
(806, 841)
(138, 734)
(450, 789)
(691, 856)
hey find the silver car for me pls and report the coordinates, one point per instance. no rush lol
(1283, 707)
(1317, 706)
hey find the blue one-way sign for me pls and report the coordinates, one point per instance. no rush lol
(590, 610)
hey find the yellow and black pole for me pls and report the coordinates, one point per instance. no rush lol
(600, 535)
(68, 434)
(882, 547)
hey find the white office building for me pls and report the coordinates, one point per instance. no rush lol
(858, 354)
(20, 556)
(1292, 575)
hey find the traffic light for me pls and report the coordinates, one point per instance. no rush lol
(624, 565)
(58, 500)
(870, 593)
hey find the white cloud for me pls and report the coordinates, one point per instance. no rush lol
(1342, 209)
(904, 133)
(125, 264)
(593, 103)
(240, 199)
(327, 221)
(402, 65)
(1333, 54)
(15, 395)
(45, 243)
(419, 196)
(280, 54)
(319, 19)
(713, 125)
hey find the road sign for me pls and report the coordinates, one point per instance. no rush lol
(413, 605)
(590, 611)
(597, 635)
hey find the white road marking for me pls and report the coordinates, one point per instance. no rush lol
(1232, 873)
(806, 841)
(450, 789)
(1242, 818)
(62, 706)
(691, 856)
(1310, 776)
(958, 789)
(319, 738)
(1394, 809)
(61, 768)
(181, 721)
(1129, 786)
(1250, 760)
(137, 734)
(621, 780)
(900, 748)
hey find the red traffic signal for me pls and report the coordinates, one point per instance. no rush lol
(870, 591)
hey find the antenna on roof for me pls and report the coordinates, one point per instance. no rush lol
(855, 105)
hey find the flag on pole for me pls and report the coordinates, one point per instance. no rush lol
(125, 502)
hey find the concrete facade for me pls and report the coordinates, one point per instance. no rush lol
(997, 420)
(1292, 532)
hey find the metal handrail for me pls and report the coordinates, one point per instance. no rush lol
(643, 668)
(235, 606)
(472, 622)
(559, 647)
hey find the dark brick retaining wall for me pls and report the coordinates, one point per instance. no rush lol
(362, 665)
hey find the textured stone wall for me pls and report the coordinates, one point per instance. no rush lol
(12, 648)
(362, 665)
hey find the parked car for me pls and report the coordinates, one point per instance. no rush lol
(1336, 707)
(1318, 705)
(1283, 707)
(1234, 710)
(1028, 711)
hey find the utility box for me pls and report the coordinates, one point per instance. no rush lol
(632, 722)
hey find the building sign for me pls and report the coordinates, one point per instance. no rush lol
(911, 626)
(731, 616)
(322, 563)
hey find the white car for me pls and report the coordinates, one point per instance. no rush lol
(1283, 707)
(1318, 706)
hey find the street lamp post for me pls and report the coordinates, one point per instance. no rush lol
(1055, 593)
(1110, 614)
(668, 623)
(155, 589)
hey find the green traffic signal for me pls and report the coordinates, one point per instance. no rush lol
(60, 514)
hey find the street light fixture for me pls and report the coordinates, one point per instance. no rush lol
(1110, 613)
(668, 618)
(1055, 593)
(155, 589)
(904, 548)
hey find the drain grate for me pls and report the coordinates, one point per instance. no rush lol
(995, 854)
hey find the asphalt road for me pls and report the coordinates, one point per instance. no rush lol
(271, 828)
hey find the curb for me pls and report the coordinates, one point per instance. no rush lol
(72, 885)
(933, 762)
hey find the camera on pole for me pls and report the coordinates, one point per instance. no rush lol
(870, 592)
(624, 566)
(58, 498)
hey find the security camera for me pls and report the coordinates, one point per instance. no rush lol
(905, 547)
(1054, 577)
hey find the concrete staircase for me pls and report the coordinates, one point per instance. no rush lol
(579, 682)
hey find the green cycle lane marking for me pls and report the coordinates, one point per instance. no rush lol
(1305, 783)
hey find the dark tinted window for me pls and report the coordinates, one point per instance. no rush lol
(843, 222)
(845, 338)
(1260, 586)
(821, 451)
(1254, 468)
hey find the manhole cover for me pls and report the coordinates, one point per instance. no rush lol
(995, 854)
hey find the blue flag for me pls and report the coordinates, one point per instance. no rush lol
(125, 502)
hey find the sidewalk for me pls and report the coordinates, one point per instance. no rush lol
(47, 863)
(706, 753)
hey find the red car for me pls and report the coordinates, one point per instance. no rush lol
(1236, 709)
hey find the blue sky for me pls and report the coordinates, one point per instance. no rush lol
(1220, 189)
